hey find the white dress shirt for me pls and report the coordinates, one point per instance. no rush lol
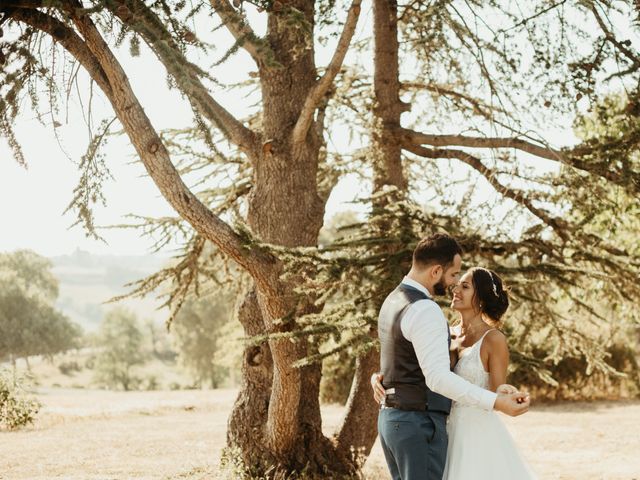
(426, 327)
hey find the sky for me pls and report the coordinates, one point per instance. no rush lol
(34, 199)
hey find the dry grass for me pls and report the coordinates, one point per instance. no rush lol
(88, 434)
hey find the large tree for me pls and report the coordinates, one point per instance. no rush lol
(480, 85)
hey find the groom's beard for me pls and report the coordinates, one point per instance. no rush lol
(440, 288)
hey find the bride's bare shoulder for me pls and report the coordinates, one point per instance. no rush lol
(495, 340)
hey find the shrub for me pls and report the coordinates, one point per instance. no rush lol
(16, 408)
(151, 383)
(69, 367)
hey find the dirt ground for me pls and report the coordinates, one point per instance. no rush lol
(91, 435)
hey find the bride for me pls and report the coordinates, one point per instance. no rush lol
(480, 447)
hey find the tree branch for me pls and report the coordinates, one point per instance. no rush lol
(237, 25)
(558, 225)
(136, 15)
(318, 91)
(612, 39)
(140, 18)
(418, 138)
(478, 107)
(65, 36)
(94, 52)
(573, 157)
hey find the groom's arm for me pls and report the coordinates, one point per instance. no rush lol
(425, 326)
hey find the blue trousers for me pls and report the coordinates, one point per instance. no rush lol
(414, 443)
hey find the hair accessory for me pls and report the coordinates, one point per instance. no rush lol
(493, 284)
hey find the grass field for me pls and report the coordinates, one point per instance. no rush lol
(93, 434)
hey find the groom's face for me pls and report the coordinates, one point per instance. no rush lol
(449, 277)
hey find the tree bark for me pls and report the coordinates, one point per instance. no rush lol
(359, 428)
(245, 433)
(285, 209)
(389, 108)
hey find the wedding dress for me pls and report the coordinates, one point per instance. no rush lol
(480, 446)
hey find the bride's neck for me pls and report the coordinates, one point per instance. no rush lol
(471, 322)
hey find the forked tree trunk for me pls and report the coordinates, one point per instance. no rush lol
(286, 209)
(280, 402)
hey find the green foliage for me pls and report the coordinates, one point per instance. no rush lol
(17, 409)
(94, 173)
(197, 332)
(30, 323)
(337, 377)
(569, 380)
(119, 347)
(31, 272)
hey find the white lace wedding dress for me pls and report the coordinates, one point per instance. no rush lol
(480, 446)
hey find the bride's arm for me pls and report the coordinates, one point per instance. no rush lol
(497, 358)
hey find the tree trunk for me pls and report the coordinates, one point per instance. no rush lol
(276, 422)
(359, 427)
(361, 408)
(245, 433)
(389, 108)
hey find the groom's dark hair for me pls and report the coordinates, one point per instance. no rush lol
(436, 249)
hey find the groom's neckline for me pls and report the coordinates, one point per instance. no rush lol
(416, 285)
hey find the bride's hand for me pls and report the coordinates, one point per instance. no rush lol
(378, 389)
(513, 404)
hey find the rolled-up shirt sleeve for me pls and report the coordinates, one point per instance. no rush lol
(425, 326)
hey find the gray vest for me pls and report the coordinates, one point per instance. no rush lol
(399, 364)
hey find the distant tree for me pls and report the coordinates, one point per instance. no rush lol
(161, 343)
(197, 332)
(120, 344)
(29, 322)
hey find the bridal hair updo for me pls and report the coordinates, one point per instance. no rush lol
(490, 294)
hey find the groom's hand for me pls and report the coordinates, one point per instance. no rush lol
(378, 389)
(506, 389)
(513, 404)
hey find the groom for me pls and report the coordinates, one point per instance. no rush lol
(415, 369)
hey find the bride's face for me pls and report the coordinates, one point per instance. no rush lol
(463, 294)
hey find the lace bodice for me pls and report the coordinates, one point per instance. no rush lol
(470, 366)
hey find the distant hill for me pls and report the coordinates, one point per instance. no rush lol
(87, 281)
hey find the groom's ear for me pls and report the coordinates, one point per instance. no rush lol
(436, 270)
